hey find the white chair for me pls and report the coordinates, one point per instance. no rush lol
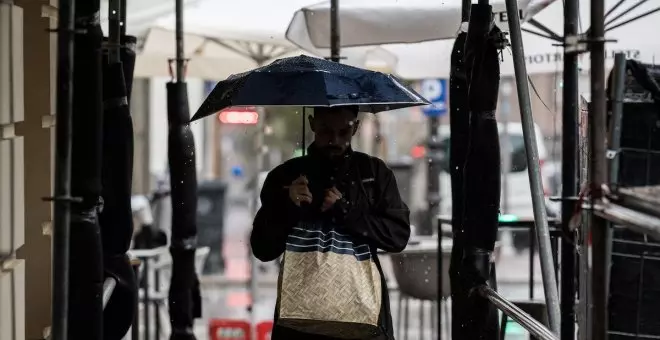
(160, 271)
(415, 272)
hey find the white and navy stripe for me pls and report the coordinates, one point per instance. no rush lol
(310, 237)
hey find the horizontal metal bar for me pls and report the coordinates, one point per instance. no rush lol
(108, 288)
(634, 220)
(148, 253)
(530, 324)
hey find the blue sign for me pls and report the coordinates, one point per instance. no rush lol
(435, 90)
(237, 171)
(208, 86)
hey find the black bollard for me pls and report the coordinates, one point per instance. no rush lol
(184, 288)
(459, 125)
(475, 162)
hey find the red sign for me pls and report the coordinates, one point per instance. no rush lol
(239, 115)
(418, 151)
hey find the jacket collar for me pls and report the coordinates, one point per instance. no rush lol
(314, 151)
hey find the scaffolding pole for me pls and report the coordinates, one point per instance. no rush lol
(534, 168)
(569, 190)
(598, 172)
(62, 191)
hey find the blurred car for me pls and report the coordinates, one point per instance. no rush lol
(516, 193)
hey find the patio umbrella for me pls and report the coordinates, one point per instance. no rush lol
(373, 22)
(143, 13)
(85, 319)
(221, 38)
(542, 30)
(310, 82)
(413, 38)
(213, 55)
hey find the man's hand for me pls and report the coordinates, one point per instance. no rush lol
(299, 192)
(332, 195)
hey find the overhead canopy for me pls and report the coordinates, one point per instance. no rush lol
(142, 13)
(412, 38)
(221, 38)
(629, 24)
(431, 59)
(374, 22)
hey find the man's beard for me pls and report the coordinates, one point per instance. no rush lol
(333, 150)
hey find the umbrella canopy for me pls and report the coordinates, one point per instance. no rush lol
(373, 22)
(628, 23)
(210, 57)
(221, 38)
(311, 82)
(412, 39)
(141, 14)
(430, 59)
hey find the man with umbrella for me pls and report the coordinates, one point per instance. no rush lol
(336, 184)
(328, 212)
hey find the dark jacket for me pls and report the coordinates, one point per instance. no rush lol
(372, 211)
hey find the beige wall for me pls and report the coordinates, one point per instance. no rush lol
(25, 167)
(12, 269)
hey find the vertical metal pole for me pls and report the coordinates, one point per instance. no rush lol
(441, 285)
(505, 143)
(114, 31)
(618, 87)
(335, 41)
(533, 167)
(122, 16)
(146, 304)
(569, 172)
(62, 190)
(465, 10)
(254, 262)
(434, 158)
(179, 41)
(584, 278)
(597, 173)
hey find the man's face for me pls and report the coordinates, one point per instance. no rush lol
(333, 129)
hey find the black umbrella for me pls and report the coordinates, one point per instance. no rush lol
(86, 268)
(117, 173)
(475, 163)
(310, 82)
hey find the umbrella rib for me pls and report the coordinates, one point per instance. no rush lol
(265, 51)
(633, 19)
(609, 22)
(551, 34)
(225, 45)
(283, 52)
(614, 8)
(540, 34)
(641, 2)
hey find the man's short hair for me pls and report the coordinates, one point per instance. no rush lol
(354, 109)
